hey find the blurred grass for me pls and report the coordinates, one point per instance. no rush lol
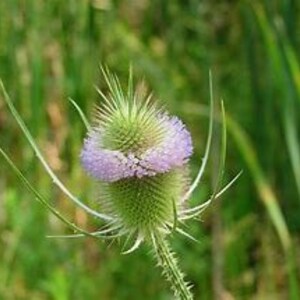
(50, 51)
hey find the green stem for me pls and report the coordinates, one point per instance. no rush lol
(171, 271)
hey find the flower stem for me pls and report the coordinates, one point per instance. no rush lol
(171, 271)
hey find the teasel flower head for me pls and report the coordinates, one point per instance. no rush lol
(138, 154)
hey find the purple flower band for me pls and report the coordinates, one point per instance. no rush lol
(112, 165)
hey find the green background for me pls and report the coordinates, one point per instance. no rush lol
(248, 241)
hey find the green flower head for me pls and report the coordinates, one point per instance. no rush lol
(139, 155)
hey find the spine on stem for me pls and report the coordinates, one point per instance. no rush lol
(168, 262)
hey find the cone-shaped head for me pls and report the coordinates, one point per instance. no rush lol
(139, 154)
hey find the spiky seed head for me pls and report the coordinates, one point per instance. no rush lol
(139, 155)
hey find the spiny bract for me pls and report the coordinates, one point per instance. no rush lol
(139, 155)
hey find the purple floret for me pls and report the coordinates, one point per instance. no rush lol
(112, 165)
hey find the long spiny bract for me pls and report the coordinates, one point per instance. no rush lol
(43, 161)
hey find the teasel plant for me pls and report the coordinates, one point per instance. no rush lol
(138, 155)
